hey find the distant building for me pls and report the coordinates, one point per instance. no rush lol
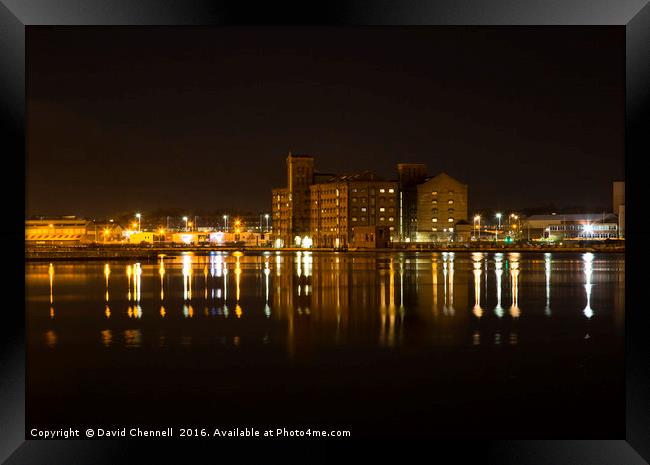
(409, 176)
(345, 202)
(442, 203)
(370, 237)
(291, 210)
(618, 205)
(586, 226)
(66, 230)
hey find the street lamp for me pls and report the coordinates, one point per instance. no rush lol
(477, 219)
(267, 222)
(185, 219)
(225, 223)
(496, 233)
(138, 216)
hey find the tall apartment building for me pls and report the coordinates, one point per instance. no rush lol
(409, 176)
(290, 205)
(343, 202)
(442, 202)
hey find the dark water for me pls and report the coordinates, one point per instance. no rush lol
(438, 345)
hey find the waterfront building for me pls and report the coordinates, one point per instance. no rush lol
(62, 230)
(409, 176)
(291, 212)
(442, 203)
(584, 226)
(344, 202)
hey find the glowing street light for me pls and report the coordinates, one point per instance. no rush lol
(185, 219)
(477, 219)
(267, 222)
(225, 223)
(138, 216)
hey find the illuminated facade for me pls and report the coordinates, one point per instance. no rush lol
(345, 202)
(571, 226)
(291, 204)
(442, 203)
(66, 230)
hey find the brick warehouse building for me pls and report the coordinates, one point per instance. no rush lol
(326, 207)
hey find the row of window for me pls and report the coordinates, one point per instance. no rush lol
(436, 192)
(435, 202)
(363, 218)
(449, 220)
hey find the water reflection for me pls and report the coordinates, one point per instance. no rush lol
(513, 262)
(477, 258)
(547, 273)
(588, 260)
(448, 275)
(385, 297)
(498, 272)
(187, 276)
(50, 272)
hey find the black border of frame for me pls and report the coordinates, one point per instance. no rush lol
(634, 15)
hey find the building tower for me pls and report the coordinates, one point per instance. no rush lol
(409, 176)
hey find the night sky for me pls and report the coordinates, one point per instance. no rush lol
(133, 119)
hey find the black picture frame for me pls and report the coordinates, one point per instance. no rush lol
(632, 15)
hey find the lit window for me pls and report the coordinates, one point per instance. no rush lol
(435, 220)
(382, 218)
(382, 190)
(390, 218)
(391, 191)
(451, 220)
(382, 209)
(451, 202)
(434, 193)
(354, 218)
(434, 229)
(363, 209)
(434, 202)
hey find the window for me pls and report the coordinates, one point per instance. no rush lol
(382, 218)
(390, 218)
(390, 191)
(451, 202)
(451, 210)
(434, 211)
(363, 209)
(354, 190)
(382, 191)
(434, 229)
(354, 218)
(451, 220)
(382, 209)
(434, 193)
(435, 220)
(434, 202)
(451, 192)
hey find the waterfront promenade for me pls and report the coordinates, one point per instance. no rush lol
(151, 252)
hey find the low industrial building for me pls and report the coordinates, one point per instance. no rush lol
(586, 226)
(66, 230)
